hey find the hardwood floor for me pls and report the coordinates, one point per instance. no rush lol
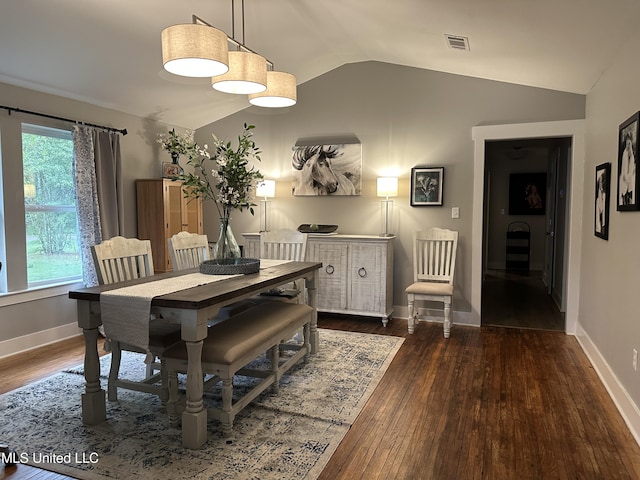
(488, 403)
(519, 299)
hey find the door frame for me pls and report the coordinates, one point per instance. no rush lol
(567, 128)
(551, 225)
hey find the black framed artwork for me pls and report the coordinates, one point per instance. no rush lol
(427, 184)
(627, 198)
(527, 193)
(601, 209)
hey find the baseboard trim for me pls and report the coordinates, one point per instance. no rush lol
(621, 398)
(38, 339)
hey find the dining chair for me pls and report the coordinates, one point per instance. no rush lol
(284, 244)
(119, 259)
(434, 263)
(188, 250)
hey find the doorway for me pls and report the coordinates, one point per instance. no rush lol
(526, 193)
(573, 129)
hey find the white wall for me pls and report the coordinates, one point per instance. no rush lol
(404, 117)
(609, 302)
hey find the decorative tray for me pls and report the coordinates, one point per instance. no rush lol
(315, 228)
(231, 266)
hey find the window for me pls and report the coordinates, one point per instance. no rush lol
(50, 207)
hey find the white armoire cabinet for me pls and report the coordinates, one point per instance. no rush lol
(356, 277)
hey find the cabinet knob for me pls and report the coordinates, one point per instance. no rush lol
(362, 272)
(329, 269)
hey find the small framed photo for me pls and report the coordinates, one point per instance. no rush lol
(627, 198)
(427, 185)
(601, 219)
(170, 170)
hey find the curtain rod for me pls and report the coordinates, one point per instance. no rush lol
(78, 122)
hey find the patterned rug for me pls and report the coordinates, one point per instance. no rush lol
(290, 435)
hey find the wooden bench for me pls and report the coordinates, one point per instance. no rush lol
(234, 343)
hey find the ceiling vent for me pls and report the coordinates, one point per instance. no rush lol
(457, 42)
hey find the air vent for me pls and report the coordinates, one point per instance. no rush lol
(457, 42)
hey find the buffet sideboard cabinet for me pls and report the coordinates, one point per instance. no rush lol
(356, 277)
(163, 211)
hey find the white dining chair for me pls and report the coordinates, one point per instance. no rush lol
(188, 250)
(434, 263)
(284, 244)
(117, 260)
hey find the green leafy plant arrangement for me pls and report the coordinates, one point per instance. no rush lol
(179, 143)
(227, 176)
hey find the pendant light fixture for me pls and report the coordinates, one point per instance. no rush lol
(247, 70)
(247, 74)
(194, 50)
(280, 92)
(201, 50)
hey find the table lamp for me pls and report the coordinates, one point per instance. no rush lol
(387, 187)
(266, 189)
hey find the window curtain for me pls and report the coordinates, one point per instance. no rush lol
(99, 193)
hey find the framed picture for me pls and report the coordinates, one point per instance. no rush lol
(427, 184)
(170, 170)
(527, 193)
(627, 198)
(327, 170)
(601, 219)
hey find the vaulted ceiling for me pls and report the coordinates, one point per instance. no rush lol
(108, 52)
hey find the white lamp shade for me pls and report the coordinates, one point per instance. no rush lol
(387, 186)
(280, 92)
(247, 74)
(266, 189)
(194, 50)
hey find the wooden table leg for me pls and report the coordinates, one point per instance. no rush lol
(94, 408)
(194, 418)
(312, 296)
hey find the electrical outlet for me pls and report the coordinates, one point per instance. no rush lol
(635, 360)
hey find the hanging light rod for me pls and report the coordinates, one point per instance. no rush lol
(241, 46)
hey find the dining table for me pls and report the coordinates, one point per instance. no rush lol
(192, 308)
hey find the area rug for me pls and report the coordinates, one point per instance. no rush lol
(290, 435)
